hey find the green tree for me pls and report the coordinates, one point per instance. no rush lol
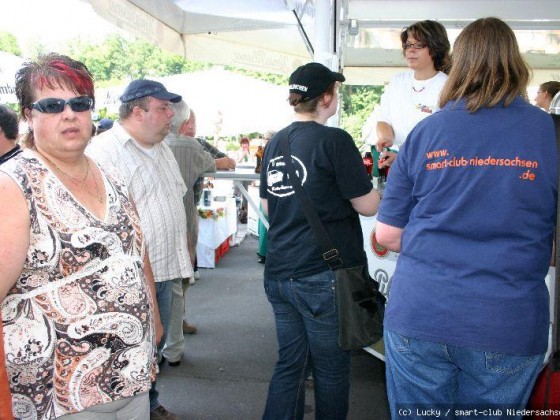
(9, 43)
(358, 102)
(119, 58)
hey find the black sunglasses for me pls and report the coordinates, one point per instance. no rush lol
(55, 105)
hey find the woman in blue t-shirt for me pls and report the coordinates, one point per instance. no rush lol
(297, 280)
(470, 205)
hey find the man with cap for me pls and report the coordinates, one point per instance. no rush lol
(104, 125)
(135, 147)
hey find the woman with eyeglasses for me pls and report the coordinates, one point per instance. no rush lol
(471, 207)
(413, 95)
(76, 290)
(547, 91)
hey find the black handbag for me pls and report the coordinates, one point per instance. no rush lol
(361, 306)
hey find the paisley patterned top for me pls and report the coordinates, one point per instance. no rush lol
(78, 323)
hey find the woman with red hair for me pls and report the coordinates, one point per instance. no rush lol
(76, 288)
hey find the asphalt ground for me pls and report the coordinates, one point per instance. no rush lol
(228, 363)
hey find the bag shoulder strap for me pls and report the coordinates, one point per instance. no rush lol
(330, 253)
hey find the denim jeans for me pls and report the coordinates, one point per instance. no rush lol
(307, 330)
(163, 296)
(423, 375)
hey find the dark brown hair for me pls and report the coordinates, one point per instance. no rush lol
(434, 36)
(487, 67)
(552, 88)
(9, 123)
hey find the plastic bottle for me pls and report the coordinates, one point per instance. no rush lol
(207, 197)
(368, 163)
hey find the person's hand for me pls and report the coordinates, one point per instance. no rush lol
(387, 159)
(385, 135)
(159, 329)
(383, 142)
(225, 163)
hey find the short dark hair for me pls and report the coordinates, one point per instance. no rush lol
(9, 123)
(434, 35)
(126, 108)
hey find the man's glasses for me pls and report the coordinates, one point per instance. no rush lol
(413, 45)
(55, 105)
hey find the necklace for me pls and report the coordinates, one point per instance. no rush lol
(81, 183)
(422, 84)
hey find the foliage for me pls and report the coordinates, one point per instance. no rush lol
(117, 59)
(357, 105)
(9, 43)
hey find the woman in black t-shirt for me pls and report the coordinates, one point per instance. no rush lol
(298, 282)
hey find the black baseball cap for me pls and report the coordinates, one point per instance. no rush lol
(313, 79)
(141, 88)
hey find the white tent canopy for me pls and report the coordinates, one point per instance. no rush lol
(226, 103)
(360, 36)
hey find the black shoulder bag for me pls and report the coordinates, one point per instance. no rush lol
(361, 305)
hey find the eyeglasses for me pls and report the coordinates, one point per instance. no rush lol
(55, 105)
(413, 45)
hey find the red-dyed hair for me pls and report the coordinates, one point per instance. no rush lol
(53, 71)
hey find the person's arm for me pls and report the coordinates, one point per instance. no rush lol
(15, 225)
(385, 135)
(264, 204)
(388, 236)
(215, 152)
(366, 205)
(152, 285)
(225, 163)
(242, 155)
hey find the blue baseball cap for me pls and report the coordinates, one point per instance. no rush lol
(141, 88)
(105, 124)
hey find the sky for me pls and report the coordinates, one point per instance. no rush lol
(51, 22)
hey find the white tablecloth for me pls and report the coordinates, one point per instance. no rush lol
(212, 232)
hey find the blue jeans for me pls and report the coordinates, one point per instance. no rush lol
(306, 317)
(163, 296)
(423, 375)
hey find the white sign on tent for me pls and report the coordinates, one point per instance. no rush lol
(9, 65)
